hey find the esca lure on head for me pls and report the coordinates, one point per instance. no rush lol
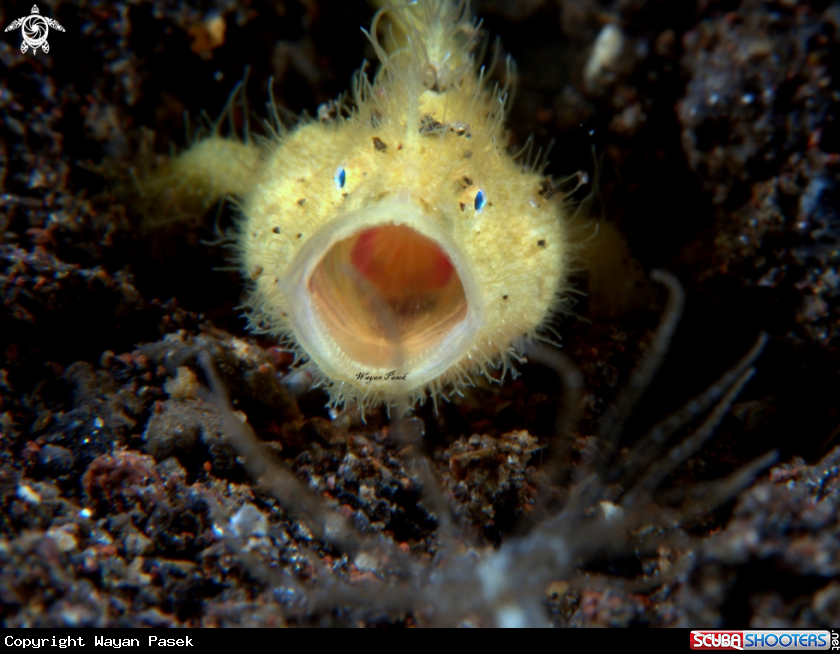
(396, 245)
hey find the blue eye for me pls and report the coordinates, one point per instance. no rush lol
(340, 177)
(480, 201)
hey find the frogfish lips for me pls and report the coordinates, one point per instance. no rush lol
(372, 296)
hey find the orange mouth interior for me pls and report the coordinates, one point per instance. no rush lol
(387, 295)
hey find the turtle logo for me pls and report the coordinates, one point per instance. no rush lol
(35, 28)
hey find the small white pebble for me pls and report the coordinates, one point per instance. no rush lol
(26, 493)
(248, 522)
(298, 382)
(184, 386)
(64, 540)
(511, 616)
(611, 511)
(365, 562)
(604, 57)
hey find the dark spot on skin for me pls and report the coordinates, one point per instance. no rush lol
(276, 230)
(468, 154)
(463, 206)
(460, 128)
(429, 125)
(299, 235)
(344, 195)
(302, 179)
(301, 202)
(327, 111)
(379, 144)
(504, 297)
(399, 146)
(547, 188)
(541, 242)
(467, 181)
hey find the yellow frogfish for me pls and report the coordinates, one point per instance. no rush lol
(395, 244)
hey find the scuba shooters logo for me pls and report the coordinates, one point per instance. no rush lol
(34, 28)
(753, 639)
